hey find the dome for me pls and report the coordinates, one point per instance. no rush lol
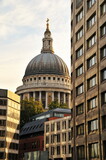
(46, 63)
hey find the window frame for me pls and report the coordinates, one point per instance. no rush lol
(79, 15)
(90, 3)
(79, 34)
(92, 125)
(92, 81)
(103, 52)
(81, 86)
(79, 52)
(91, 61)
(103, 30)
(79, 70)
(81, 106)
(91, 21)
(90, 103)
(91, 41)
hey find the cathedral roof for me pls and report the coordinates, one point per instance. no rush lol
(47, 62)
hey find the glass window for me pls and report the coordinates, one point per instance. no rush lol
(103, 52)
(93, 125)
(52, 138)
(79, 16)
(2, 122)
(3, 112)
(69, 136)
(79, 34)
(58, 126)
(71, 25)
(69, 149)
(80, 152)
(103, 98)
(93, 150)
(63, 124)
(104, 122)
(80, 129)
(79, 109)
(2, 133)
(103, 74)
(92, 82)
(103, 30)
(91, 61)
(2, 155)
(90, 3)
(79, 71)
(3, 102)
(92, 103)
(79, 52)
(2, 144)
(47, 128)
(79, 89)
(69, 123)
(63, 137)
(71, 7)
(103, 8)
(91, 21)
(63, 149)
(78, 3)
(91, 41)
(58, 137)
(58, 150)
(52, 127)
(52, 150)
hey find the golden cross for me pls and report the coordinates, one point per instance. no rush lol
(47, 20)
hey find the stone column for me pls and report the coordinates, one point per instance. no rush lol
(34, 95)
(69, 98)
(40, 96)
(28, 96)
(58, 97)
(52, 96)
(64, 97)
(46, 107)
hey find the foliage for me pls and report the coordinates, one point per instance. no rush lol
(55, 104)
(29, 108)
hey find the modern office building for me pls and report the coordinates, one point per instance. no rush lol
(57, 138)
(9, 125)
(32, 133)
(46, 77)
(88, 79)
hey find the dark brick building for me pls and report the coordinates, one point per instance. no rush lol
(88, 79)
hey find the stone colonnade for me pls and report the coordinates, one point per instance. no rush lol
(46, 97)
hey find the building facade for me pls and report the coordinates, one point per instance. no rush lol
(57, 138)
(46, 77)
(31, 138)
(32, 133)
(9, 125)
(88, 79)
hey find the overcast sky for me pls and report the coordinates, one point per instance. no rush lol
(22, 26)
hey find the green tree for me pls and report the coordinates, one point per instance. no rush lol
(29, 108)
(55, 104)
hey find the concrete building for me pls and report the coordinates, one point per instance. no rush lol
(57, 138)
(32, 133)
(88, 79)
(46, 77)
(9, 125)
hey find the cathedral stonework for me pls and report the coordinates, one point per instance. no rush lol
(46, 77)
